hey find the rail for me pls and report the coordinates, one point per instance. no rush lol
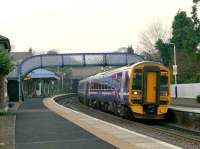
(57, 98)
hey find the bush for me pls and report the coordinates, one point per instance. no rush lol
(5, 67)
(198, 98)
(5, 63)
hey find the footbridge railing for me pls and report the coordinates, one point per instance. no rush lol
(77, 60)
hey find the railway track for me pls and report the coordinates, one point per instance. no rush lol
(183, 138)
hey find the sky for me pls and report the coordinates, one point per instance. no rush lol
(72, 26)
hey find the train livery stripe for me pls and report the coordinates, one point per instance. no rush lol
(108, 93)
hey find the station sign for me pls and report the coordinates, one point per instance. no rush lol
(174, 69)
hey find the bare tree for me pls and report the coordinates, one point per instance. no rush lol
(150, 36)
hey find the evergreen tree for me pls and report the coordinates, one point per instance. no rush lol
(5, 63)
(196, 22)
(130, 49)
(5, 66)
(183, 34)
(186, 36)
(165, 51)
(194, 14)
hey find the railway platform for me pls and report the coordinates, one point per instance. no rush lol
(38, 128)
(185, 112)
(185, 109)
(186, 102)
(113, 134)
(185, 105)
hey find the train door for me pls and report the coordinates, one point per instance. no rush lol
(119, 87)
(151, 85)
(86, 87)
(122, 87)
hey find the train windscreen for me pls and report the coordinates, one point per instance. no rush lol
(137, 81)
(164, 84)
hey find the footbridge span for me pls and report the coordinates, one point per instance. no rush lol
(76, 60)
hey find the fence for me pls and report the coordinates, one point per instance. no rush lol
(186, 90)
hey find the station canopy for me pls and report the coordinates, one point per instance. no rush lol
(42, 73)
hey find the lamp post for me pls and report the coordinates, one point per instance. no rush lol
(19, 80)
(175, 69)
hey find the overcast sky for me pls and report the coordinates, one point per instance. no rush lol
(82, 25)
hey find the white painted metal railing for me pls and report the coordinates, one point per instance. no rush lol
(186, 90)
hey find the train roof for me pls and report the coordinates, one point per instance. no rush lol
(99, 75)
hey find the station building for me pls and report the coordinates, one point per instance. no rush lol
(38, 83)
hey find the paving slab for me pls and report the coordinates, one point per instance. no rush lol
(7, 127)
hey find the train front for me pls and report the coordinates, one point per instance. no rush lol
(149, 91)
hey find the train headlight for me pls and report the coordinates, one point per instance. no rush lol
(136, 92)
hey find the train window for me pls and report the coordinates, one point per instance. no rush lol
(95, 85)
(106, 86)
(137, 81)
(119, 77)
(126, 80)
(103, 86)
(164, 85)
(91, 86)
(111, 87)
(99, 86)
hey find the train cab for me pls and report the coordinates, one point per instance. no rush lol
(149, 90)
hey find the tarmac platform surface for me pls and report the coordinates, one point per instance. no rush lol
(188, 105)
(38, 128)
(185, 102)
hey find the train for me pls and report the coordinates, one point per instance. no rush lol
(141, 90)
